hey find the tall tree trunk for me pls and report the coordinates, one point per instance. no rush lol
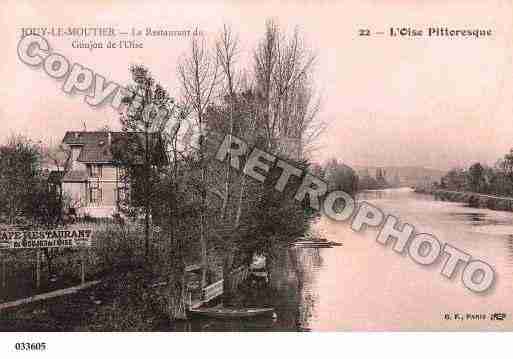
(240, 202)
(227, 174)
(177, 284)
(177, 296)
(227, 268)
(147, 234)
(203, 240)
(147, 199)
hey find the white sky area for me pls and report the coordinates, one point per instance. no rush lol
(433, 102)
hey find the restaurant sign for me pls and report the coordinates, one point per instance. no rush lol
(45, 239)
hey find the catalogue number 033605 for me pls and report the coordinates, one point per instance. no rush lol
(24, 346)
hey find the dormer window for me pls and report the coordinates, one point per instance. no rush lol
(95, 171)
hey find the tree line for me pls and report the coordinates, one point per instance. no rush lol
(338, 176)
(25, 194)
(270, 103)
(480, 178)
(208, 212)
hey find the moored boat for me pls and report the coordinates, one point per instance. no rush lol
(231, 313)
(315, 243)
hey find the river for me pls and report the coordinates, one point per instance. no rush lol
(364, 285)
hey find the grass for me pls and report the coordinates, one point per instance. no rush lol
(123, 302)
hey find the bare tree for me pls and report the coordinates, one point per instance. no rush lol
(198, 74)
(270, 106)
(227, 51)
(283, 66)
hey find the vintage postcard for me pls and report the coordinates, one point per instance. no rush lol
(190, 166)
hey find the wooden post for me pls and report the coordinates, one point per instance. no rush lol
(38, 268)
(82, 267)
(4, 274)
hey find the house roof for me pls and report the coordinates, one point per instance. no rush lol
(97, 145)
(84, 137)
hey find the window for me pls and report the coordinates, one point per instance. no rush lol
(123, 194)
(95, 171)
(122, 174)
(95, 193)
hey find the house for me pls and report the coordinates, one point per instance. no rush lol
(91, 182)
(94, 181)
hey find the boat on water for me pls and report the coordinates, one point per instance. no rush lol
(315, 243)
(231, 313)
(311, 245)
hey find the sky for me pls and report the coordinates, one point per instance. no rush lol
(387, 101)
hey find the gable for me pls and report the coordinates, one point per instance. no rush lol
(97, 146)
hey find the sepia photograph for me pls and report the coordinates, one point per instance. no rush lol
(177, 167)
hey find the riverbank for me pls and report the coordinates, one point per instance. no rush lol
(130, 302)
(476, 200)
(134, 299)
(122, 302)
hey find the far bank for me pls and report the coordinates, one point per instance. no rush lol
(476, 200)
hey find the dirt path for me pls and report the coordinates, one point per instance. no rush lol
(56, 293)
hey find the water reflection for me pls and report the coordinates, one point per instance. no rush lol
(306, 262)
(293, 294)
(367, 286)
(385, 193)
(474, 218)
(509, 246)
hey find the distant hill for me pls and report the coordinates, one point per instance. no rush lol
(410, 176)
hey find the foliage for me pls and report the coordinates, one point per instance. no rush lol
(270, 105)
(341, 177)
(141, 149)
(205, 211)
(479, 178)
(19, 178)
(476, 178)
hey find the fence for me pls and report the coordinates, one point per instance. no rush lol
(236, 277)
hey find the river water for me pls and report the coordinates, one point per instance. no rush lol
(364, 285)
(367, 286)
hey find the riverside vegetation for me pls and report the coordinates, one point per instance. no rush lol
(184, 207)
(478, 185)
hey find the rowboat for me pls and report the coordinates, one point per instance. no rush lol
(231, 313)
(315, 244)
